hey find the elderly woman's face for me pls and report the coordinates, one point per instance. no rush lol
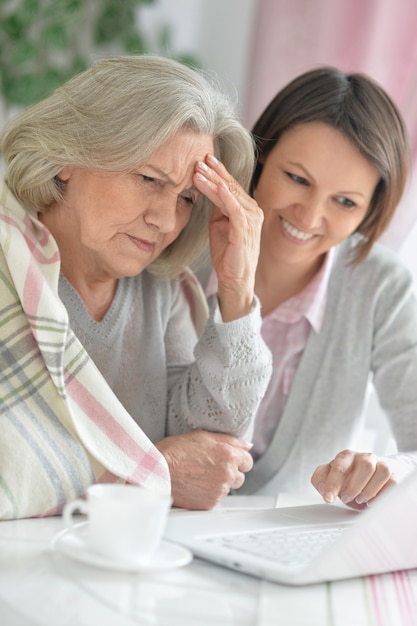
(117, 224)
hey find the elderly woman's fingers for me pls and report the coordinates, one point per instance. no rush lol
(212, 179)
(204, 467)
(235, 234)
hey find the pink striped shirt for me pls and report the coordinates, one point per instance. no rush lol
(286, 331)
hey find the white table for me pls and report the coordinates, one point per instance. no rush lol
(41, 587)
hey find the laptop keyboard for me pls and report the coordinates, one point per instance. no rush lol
(290, 548)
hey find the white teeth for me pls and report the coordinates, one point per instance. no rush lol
(298, 234)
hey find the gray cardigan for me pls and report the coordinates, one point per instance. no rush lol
(369, 331)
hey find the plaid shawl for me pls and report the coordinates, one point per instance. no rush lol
(61, 426)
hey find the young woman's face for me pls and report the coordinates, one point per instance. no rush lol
(315, 189)
(120, 223)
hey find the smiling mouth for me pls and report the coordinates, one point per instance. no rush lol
(294, 232)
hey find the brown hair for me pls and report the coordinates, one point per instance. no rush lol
(362, 111)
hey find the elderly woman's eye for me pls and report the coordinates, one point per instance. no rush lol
(185, 202)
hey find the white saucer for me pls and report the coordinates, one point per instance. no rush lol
(73, 543)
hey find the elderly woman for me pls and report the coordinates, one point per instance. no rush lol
(113, 184)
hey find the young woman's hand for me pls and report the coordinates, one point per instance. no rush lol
(354, 477)
(235, 233)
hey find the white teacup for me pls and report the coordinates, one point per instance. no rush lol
(125, 523)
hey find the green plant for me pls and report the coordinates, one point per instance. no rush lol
(45, 42)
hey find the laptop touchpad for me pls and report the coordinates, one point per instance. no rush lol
(319, 513)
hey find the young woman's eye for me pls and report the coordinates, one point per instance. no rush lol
(345, 202)
(297, 179)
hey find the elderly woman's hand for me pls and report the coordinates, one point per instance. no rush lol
(204, 467)
(354, 477)
(235, 232)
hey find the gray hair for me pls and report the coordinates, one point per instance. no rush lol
(112, 117)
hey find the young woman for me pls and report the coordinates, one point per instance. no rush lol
(338, 308)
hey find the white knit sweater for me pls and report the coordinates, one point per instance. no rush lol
(170, 382)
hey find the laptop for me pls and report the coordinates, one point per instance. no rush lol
(307, 544)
